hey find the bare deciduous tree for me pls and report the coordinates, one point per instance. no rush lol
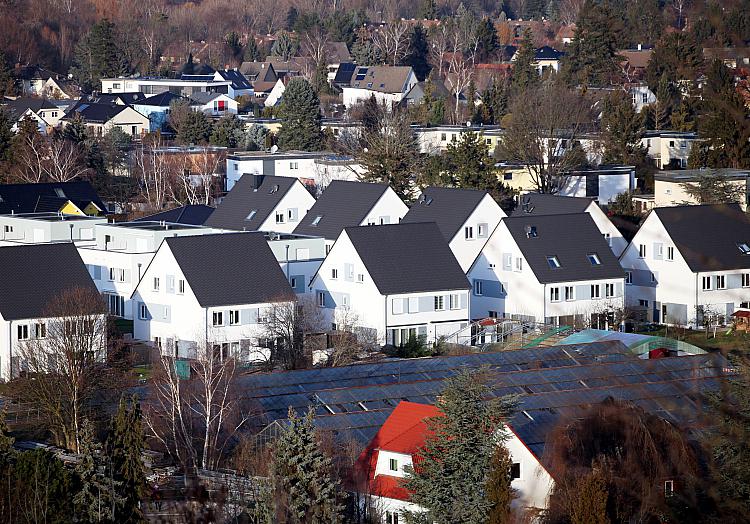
(195, 418)
(65, 363)
(286, 325)
(569, 10)
(393, 42)
(547, 122)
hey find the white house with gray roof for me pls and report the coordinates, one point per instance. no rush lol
(553, 269)
(33, 277)
(214, 104)
(388, 84)
(398, 281)
(210, 291)
(689, 265)
(465, 217)
(346, 204)
(262, 203)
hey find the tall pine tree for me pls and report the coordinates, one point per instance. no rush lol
(622, 128)
(98, 56)
(305, 490)
(125, 446)
(524, 73)
(592, 59)
(300, 117)
(457, 453)
(418, 52)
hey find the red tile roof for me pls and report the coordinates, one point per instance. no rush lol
(403, 432)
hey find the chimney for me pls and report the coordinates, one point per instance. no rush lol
(257, 181)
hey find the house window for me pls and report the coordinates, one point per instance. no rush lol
(595, 291)
(321, 299)
(644, 98)
(554, 294)
(643, 303)
(293, 165)
(478, 288)
(279, 217)
(706, 283)
(609, 290)
(23, 332)
(157, 342)
(334, 273)
(111, 274)
(633, 98)
(443, 137)
(454, 302)
(143, 312)
(234, 317)
(745, 279)
(121, 275)
(519, 264)
(439, 303)
(721, 282)
(482, 230)
(744, 248)
(293, 282)
(569, 293)
(642, 250)
(668, 488)
(515, 471)
(594, 259)
(40, 330)
(218, 318)
(553, 262)
(156, 283)
(628, 277)
(360, 278)
(653, 277)
(181, 287)
(391, 517)
(291, 214)
(670, 253)
(507, 176)
(671, 143)
(8, 229)
(469, 232)
(393, 465)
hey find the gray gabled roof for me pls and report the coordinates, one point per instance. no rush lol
(407, 258)
(384, 79)
(245, 197)
(34, 275)
(448, 207)
(342, 204)
(192, 214)
(569, 238)
(708, 236)
(230, 269)
(545, 204)
(204, 97)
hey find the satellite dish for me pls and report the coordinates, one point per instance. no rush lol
(274, 148)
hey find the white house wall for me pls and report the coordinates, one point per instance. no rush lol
(488, 214)
(605, 226)
(299, 201)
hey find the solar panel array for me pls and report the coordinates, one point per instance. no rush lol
(353, 401)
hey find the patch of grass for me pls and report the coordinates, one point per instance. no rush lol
(723, 342)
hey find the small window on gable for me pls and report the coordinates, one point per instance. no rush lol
(594, 259)
(515, 471)
(553, 262)
(393, 465)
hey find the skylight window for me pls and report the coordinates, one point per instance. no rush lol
(594, 259)
(252, 214)
(553, 262)
(59, 192)
(317, 220)
(744, 248)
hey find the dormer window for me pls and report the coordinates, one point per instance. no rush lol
(594, 259)
(553, 262)
(744, 248)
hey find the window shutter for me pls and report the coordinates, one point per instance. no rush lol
(507, 261)
(293, 214)
(97, 272)
(413, 305)
(426, 304)
(483, 230)
(618, 289)
(583, 292)
(127, 275)
(397, 305)
(462, 300)
(170, 283)
(349, 272)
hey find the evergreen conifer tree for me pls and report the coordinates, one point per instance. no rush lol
(98, 56)
(457, 454)
(364, 51)
(6, 135)
(663, 107)
(428, 10)
(301, 474)
(75, 131)
(486, 36)
(189, 67)
(499, 491)
(99, 494)
(229, 131)
(300, 117)
(593, 53)
(252, 53)
(125, 446)
(418, 52)
(285, 46)
(622, 128)
(195, 128)
(524, 73)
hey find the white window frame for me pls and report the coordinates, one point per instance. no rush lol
(469, 233)
(22, 332)
(628, 278)
(280, 217)
(157, 283)
(553, 262)
(670, 253)
(321, 299)
(641, 250)
(143, 311)
(721, 282)
(706, 283)
(439, 303)
(181, 286)
(454, 301)
(594, 259)
(234, 317)
(554, 294)
(478, 288)
(393, 464)
(217, 318)
(609, 290)
(334, 273)
(519, 264)
(745, 279)
(598, 294)
(570, 293)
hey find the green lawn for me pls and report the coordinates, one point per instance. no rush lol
(735, 341)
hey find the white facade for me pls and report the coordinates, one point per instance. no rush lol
(154, 86)
(120, 256)
(468, 242)
(641, 96)
(355, 95)
(504, 286)
(42, 228)
(664, 288)
(608, 230)
(289, 164)
(328, 169)
(604, 185)
(274, 97)
(669, 150)
(434, 140)
(343, 284)
(130, 122)
(285, 217)
(299, 258)
(220, 106)
(169, 315)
